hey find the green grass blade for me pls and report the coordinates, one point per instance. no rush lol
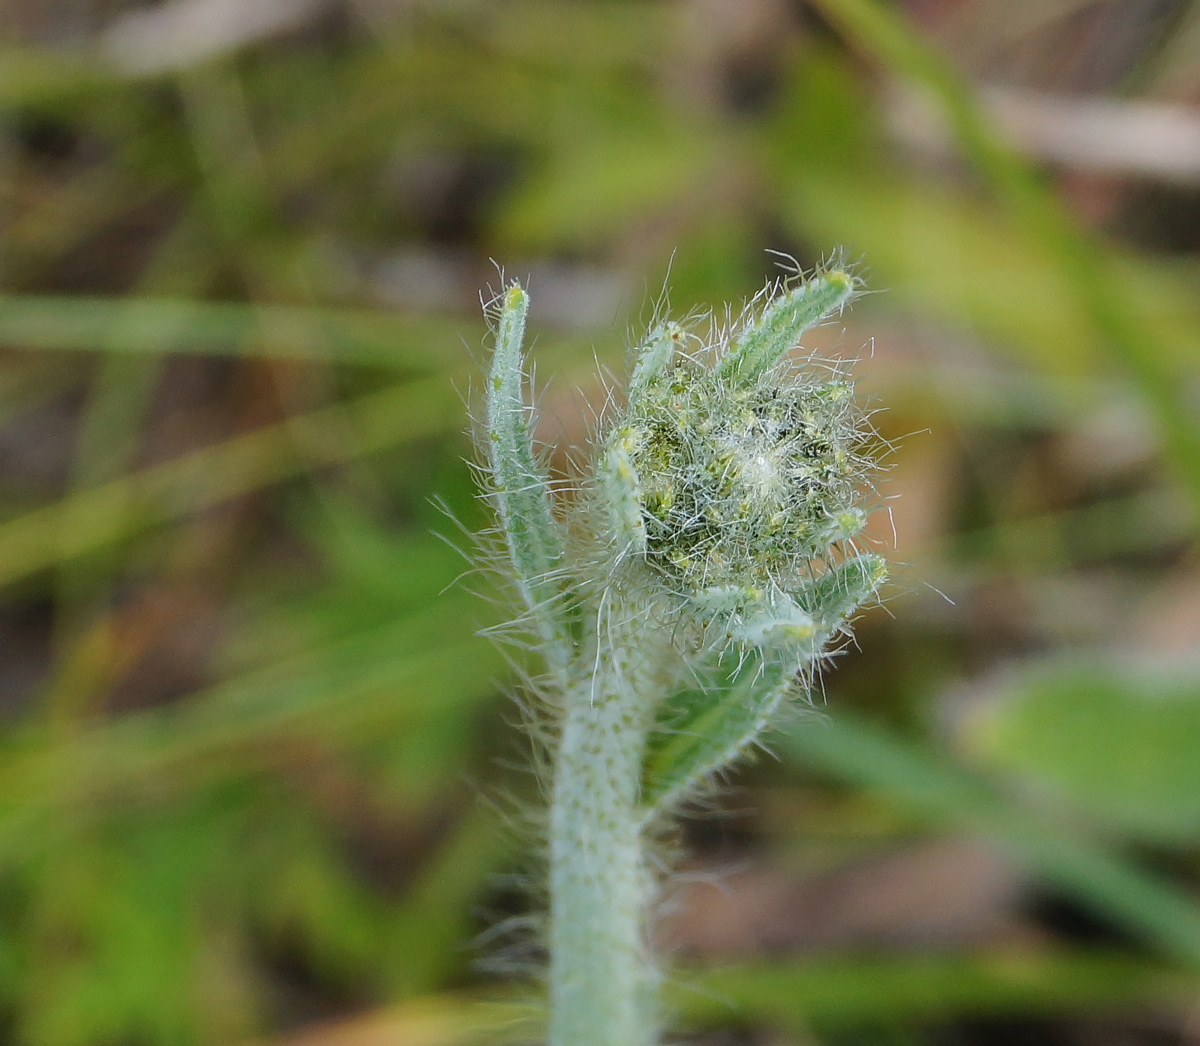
(849, 992)
(158, 326)
(91, 519)
(921, 782)
(1081, 259)
(417, 669)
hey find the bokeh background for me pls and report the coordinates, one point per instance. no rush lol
(258, 773)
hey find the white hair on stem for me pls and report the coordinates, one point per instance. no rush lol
(694, 575)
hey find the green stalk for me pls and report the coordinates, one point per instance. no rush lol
(602, 985)
(696, 575)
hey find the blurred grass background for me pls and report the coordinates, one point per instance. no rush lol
(255, 762)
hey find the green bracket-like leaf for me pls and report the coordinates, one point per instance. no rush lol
(520, 485)
(704, 728)
(833, 596)
(778, 330)
(621, 491)
(656, 355)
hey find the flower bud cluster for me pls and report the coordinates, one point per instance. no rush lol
(742, 483)
(734, 472)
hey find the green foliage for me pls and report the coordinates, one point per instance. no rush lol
(930, 788)
(869, 994)
(702, 729)
(1117, 742)
(246, 722)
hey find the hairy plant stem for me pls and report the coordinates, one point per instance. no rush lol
(602, 985)
(692, 581)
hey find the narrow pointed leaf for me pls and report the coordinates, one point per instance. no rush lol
(706, 727)
(778, 330)
(842, 589)
(656, 355)
(521, 487)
